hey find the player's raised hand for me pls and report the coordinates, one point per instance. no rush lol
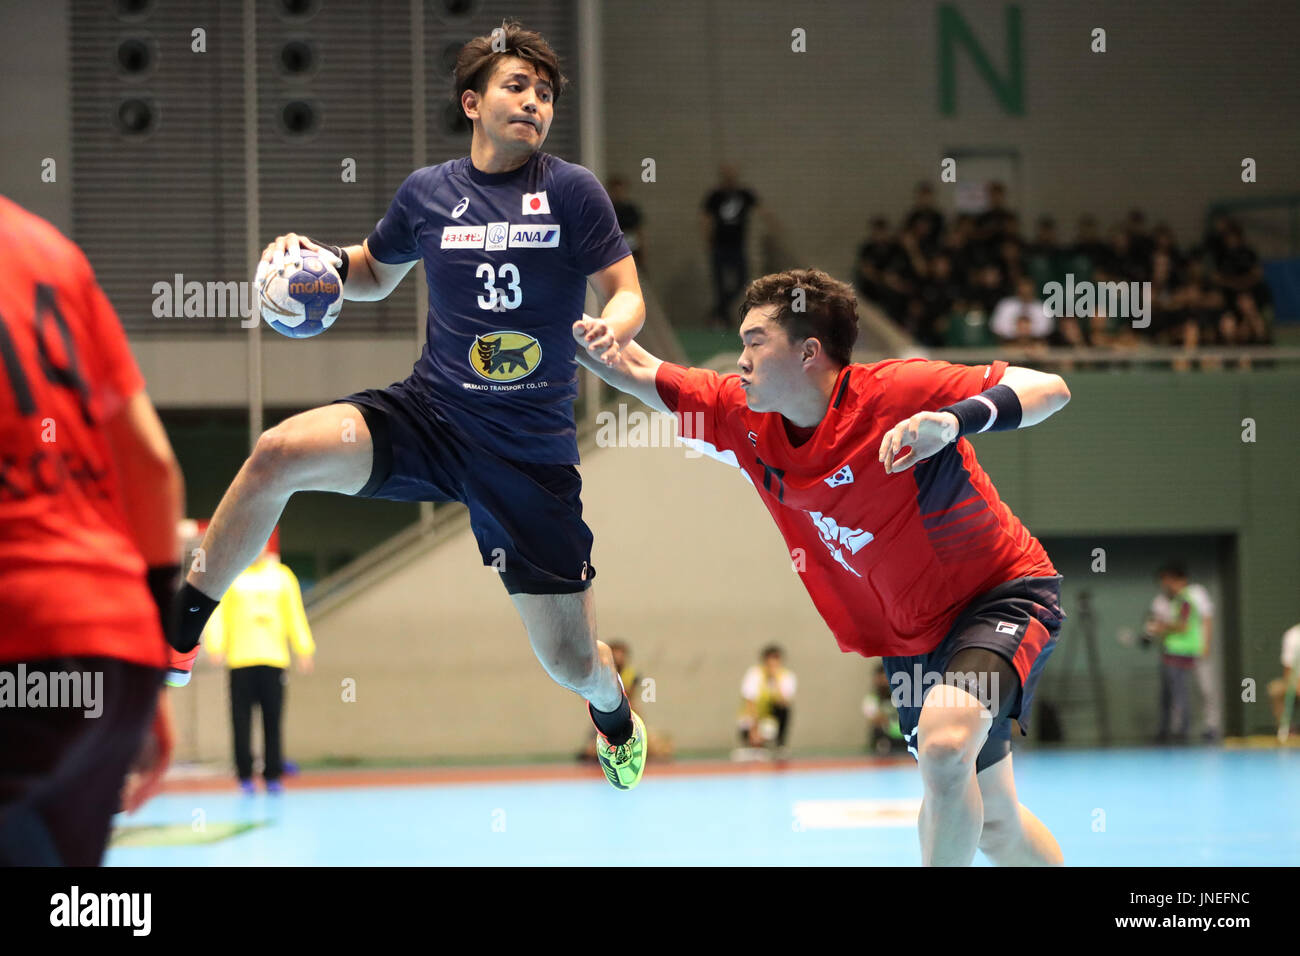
(595, 336)
(925, 433)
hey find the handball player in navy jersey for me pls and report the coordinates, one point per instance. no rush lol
(509, 237)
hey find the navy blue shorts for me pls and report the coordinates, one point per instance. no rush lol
(1018, 622)
(526, 516)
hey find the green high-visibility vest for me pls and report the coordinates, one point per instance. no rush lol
(1190, 641)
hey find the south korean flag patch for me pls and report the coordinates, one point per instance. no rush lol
(842, 477)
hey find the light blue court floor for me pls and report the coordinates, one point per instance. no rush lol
(1118, 808)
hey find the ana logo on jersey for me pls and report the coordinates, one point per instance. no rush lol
(535, 204)
(842, 477)
(504, 356)
(837, 538)
(540, 236)
(460, 207)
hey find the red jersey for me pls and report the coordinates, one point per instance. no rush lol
(889, 560)
(71, 579)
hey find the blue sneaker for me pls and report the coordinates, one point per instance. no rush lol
(274, 787)
(246, 787)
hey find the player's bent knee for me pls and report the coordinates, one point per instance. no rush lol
(947, 752)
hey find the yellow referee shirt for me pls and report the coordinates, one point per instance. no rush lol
(258, 617)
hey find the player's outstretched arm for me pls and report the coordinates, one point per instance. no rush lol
(1022, 398)
(633, 371)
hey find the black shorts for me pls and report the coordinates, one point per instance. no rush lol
(1019, 622)
(526, 516)
(62, 768)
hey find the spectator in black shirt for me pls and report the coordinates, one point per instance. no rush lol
(628, 215)
(997, 220)
(1140, 241)
(925, 222)
(1043, 256)
(1238, 270)
(882, 269)
(724, 217)
(1089, 252)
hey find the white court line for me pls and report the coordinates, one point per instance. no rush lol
(855, 814)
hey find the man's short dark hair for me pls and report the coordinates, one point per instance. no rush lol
(477, 59)
(1174, 568)
(830, 309)
(772, 650)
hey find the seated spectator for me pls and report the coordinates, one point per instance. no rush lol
(924, 221)
(1088, 250)
(996, 221)
(937, 294)
(989, 286)
(1044, 257)
(880, 266)
(1277, 687)
(1025, 341)
(958, 244)
(1122, 262)
(1140, 241)
(1237, 268)
(767, 697)
(1024, 307)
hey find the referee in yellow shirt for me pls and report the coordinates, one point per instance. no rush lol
(252, 628)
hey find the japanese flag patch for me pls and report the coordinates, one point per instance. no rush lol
(535, 204)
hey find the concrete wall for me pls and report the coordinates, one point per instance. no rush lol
(35, 107)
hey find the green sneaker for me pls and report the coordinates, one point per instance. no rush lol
(623, 765)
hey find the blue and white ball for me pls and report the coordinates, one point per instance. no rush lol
(300, 298)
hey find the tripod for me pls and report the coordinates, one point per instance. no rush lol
(1087, 626)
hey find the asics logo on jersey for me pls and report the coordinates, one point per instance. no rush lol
(504, 356)
(842, 477)
(460, 208)
(837, 538)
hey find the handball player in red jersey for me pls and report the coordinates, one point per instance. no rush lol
(90, 499)
(910, 553)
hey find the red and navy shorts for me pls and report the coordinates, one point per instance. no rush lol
(1018, 622)
(526, 516)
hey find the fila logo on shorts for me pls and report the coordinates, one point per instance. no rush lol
(1006, 627)
(842, 477)
(535, 204)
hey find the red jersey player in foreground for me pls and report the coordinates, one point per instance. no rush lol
(906, 549)
(90, 498)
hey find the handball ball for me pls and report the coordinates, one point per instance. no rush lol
(300, 298)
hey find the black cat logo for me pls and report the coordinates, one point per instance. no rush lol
(505, 356)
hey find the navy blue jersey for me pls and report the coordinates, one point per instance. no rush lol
(507, 257)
